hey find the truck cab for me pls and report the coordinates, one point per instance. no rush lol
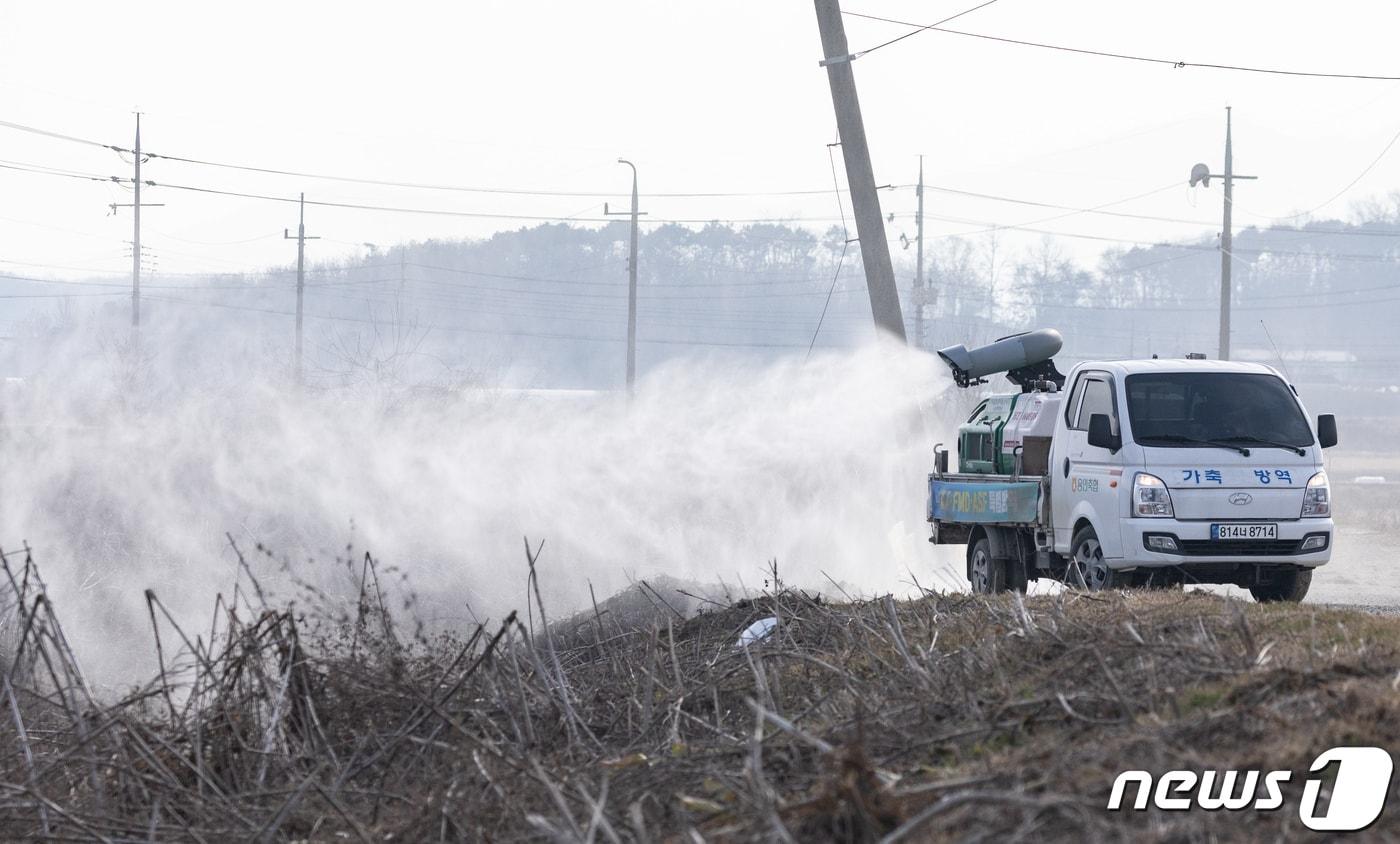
(1134, 473)
(1204, 470)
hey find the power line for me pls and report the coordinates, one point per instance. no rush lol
(50, 295)
(467, 330)
(1350, 185)
(948, 19)
(993, 227)
(845, 246)
(988, 227)
(771, 279)
(471, 214)
(359, 180)
(59, 135)
(196, 287)
(1099, 209)
(1123, 56)
(501, 306)
(220, 242)
(513, 294)
(54, 171)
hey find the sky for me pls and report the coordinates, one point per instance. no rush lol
(716, 97)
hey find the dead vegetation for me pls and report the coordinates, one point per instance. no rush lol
(950, 717)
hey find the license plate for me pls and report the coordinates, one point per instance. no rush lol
(1244, 531)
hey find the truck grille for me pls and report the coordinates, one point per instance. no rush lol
(1237, 548)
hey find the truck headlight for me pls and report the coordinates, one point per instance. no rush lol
(1150, 497)
(1317, 498)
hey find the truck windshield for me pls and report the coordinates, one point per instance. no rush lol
(1174, 408)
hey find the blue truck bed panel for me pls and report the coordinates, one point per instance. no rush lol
(983, 502)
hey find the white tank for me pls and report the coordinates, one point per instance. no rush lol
(1030, 427)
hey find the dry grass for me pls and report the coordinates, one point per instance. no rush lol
(948, 717)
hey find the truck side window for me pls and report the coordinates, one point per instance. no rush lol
(1098, 398)
(1072, 406)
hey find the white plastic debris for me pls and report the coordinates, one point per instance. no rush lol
(757, 631)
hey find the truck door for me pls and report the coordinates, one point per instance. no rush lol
(1086, 478)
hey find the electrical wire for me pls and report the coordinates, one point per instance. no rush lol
(468, 330)
(247, 168)
(845, 245)
(43, 169)
(59, 135)
(467, 189)
(53, 171)
(1097, 209)
(989, 227)
(1123, 56)
(470, 214)
(1349, 185)
(949, 19)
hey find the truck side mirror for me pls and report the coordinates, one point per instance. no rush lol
(1326, 430)
(1101, 433)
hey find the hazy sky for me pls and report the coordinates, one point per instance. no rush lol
(713, 97)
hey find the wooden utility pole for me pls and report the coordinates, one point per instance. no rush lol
(301, 239)
(860, 176)
(136, 205)
(631, 280)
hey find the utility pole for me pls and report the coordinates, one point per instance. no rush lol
(301, 239)
(631, 280)
(1227, 255)
(860, 175)
(920, 288)
(1201, 173)
(136, 205)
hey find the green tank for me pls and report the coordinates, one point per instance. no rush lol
(980, 438)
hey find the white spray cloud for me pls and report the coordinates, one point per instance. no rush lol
(713, 468)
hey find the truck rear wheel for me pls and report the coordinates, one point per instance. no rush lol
(1087, 569)
(988, 575)
(1290, 585)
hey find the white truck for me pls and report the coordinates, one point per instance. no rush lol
(1133, 473)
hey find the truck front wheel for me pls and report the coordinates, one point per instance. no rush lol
(1087, 568)
(988, 576)
(1289, 585)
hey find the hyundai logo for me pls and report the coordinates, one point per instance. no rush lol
(1241, 498)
